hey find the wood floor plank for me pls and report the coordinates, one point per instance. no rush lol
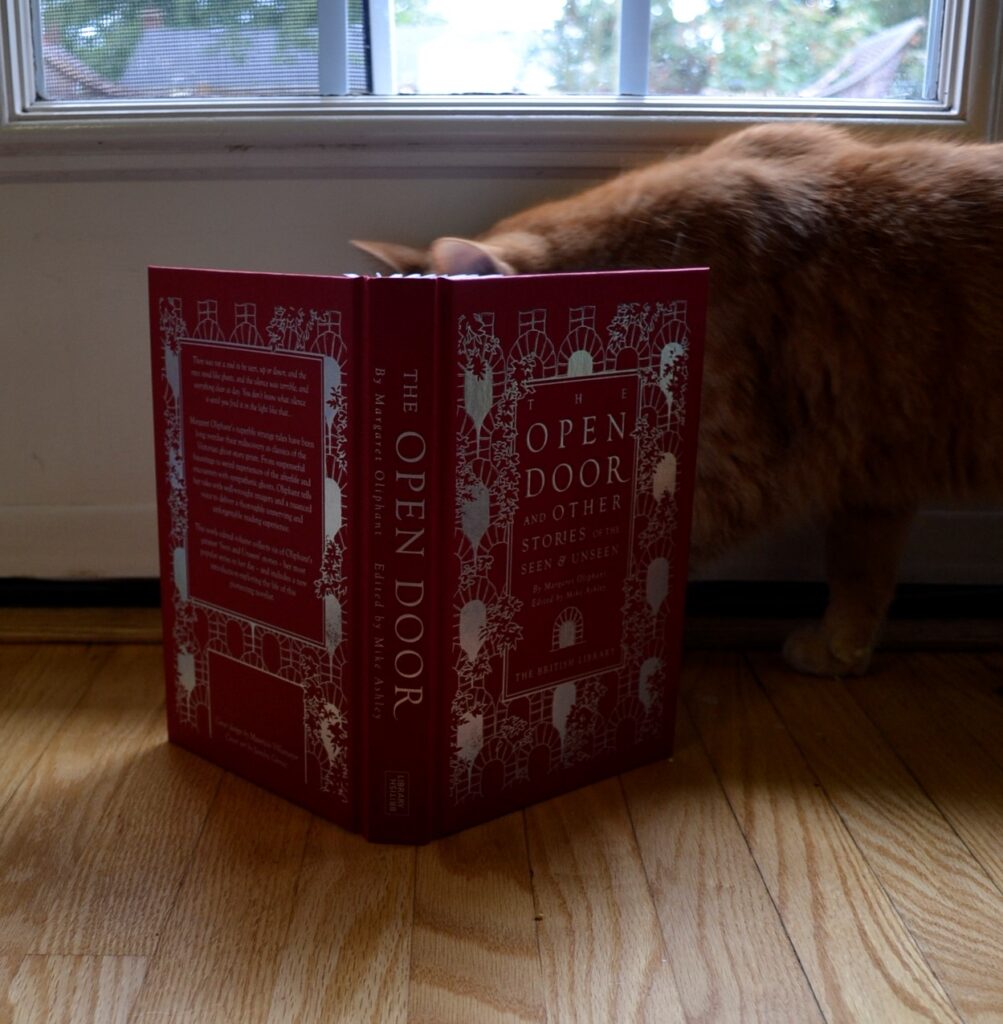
(993, 660)
(734, 633)
(8, 968)
(943, 895)
(98, 836)
(731, 958)
(13, 657)
(954, 769)
(39, 687)
(219, 954)
(345, 955)
(601, 947)
(80, 625)
(971, 688)
(74, 989)
(474, 952)
(862, 963)
(849, 831)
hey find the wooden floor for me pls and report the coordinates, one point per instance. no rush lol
(816, 851)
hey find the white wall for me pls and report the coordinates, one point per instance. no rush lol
(76, 466)
(76, 447)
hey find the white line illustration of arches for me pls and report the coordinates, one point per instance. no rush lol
(328, 339)
(245, 329)
(569, 629)
(582, 351)
(208, 328)
(533, 348)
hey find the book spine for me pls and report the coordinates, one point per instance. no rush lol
(163, 393)
(400, 513)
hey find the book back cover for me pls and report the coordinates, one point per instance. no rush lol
(253, 428)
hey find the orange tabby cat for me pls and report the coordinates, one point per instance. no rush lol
(854, 362)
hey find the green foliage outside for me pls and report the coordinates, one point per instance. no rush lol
(103, 33)
(755, 47)
(760, 47)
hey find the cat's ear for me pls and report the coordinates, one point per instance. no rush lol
(401, 258)
(461, 256)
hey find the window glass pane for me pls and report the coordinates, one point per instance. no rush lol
(869, 49)
(165, 49)
(874, 49)
(532, 47)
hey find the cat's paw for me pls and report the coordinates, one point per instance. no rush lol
(814, 651)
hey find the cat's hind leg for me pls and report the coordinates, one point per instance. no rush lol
(863, 548)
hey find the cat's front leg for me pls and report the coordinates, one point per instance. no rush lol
(863, 548)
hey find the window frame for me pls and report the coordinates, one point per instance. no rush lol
(356, 133)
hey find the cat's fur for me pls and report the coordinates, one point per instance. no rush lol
(854, 362)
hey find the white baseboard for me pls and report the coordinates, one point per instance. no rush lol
(945, 546)
(78, 541)
(117, 541)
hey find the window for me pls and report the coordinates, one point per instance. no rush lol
(617, 74)
(182, 49)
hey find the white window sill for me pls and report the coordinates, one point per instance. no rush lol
(360, 135)
(353, 136)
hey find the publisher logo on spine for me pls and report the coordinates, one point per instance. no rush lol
(397, 793)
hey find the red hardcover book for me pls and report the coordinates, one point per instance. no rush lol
(424, 540)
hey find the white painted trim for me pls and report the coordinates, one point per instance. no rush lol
(935, 23)
(332, 47)
(78, 541)
(17, 79)
(118, 541)
(635, 46)
(395, 140)
(972, 64)
(945, 546)
(382, 44)
(36, 44)
(391, 133)
(995, 85)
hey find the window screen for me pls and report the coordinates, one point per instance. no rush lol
(138, 49)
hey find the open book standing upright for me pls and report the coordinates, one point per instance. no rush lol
(423, 540)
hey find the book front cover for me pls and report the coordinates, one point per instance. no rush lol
(575, 430)
(252, 412)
